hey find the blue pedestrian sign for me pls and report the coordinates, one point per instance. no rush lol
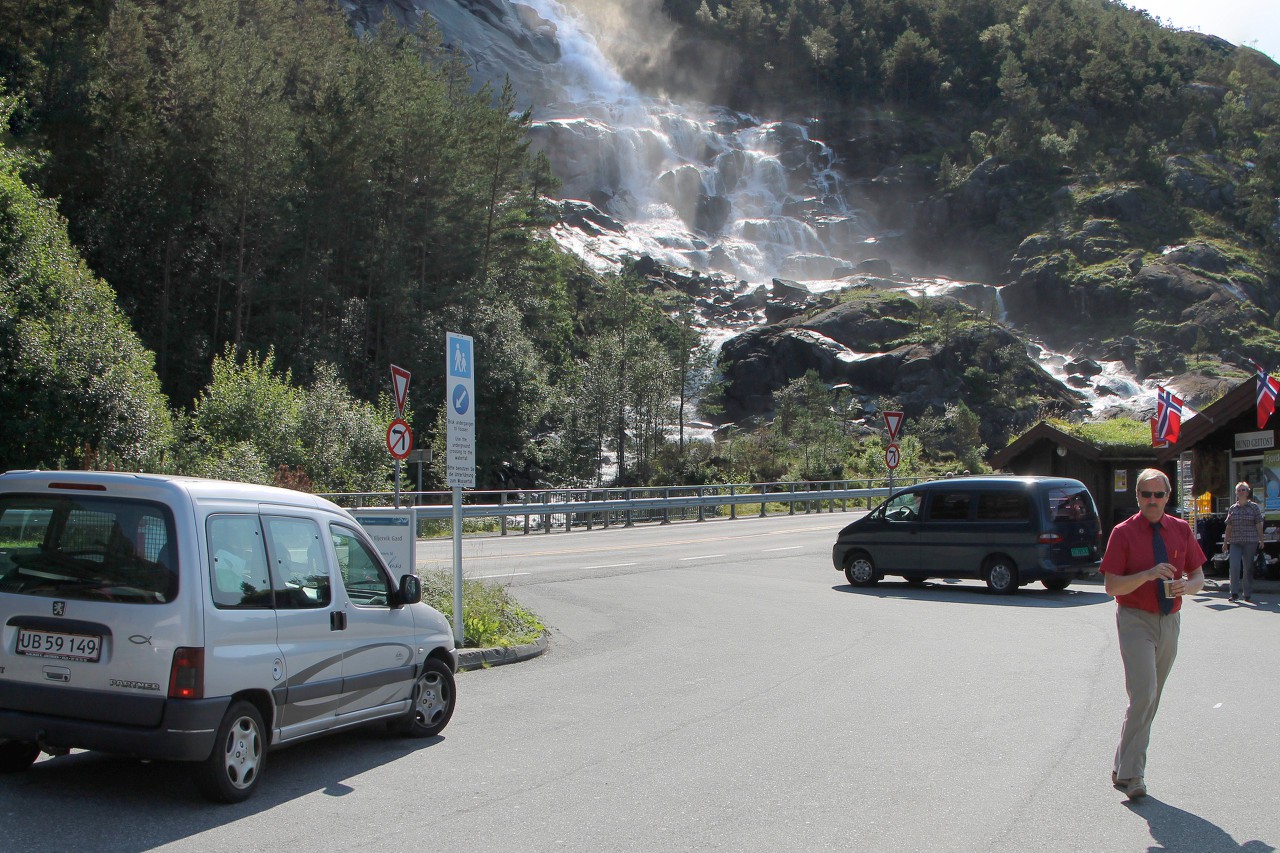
(460, 414)
(459, 356)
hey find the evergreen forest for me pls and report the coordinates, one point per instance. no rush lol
(222, 220)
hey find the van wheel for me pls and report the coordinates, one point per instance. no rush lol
(1057, 584)
(232, 771)
(17, 755)
(859, 570)
(1002, 575)
(433, 699)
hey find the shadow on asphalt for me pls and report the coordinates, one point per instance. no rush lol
(1180, 831)
(969, 593)
(124, 804)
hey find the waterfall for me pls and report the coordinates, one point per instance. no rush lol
(697, 186)
(691, 185)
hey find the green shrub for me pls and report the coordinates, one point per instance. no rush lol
(490, 615)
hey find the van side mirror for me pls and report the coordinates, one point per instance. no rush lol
(410, 589)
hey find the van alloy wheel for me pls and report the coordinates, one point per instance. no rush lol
(1002, 575)
(859, 570)
(434, 696)
(232, 771)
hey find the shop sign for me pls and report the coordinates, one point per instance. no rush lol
(1255, 440)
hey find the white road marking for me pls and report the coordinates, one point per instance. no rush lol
(788, 548)
(489, 577)
(610, 566)
(701, 557)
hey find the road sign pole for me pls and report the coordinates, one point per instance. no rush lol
(460, 440)
(397, 484)
(458, 636)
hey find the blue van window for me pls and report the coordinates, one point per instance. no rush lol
(1004, 506)
(949, 506)
(1071, 505)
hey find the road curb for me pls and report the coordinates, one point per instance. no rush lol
(469, 659)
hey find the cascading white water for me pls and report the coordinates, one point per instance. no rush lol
(693, 186)
(722, 192)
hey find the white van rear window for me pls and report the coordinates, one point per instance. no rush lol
(87, 547)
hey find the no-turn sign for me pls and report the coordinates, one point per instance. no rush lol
(399, 439)
(891, 456)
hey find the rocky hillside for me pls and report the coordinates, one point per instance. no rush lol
(1126, 203)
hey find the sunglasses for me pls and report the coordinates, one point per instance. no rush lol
(1152, 494)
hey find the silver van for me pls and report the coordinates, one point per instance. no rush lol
(1007, 531)
(202, 621)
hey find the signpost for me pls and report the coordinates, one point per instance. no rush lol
(892, 453)
(399, 436)
(460, 447)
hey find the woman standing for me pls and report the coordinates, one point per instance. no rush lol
(1242, 539)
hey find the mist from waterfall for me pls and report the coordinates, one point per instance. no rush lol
(688, 184)
(717, 191)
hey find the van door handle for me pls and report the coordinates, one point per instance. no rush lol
(338, 620)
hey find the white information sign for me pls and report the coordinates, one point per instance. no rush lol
(460, 411)
(393, 535)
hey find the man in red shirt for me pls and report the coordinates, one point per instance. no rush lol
(1144, 552)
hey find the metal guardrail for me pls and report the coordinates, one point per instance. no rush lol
(565, 509)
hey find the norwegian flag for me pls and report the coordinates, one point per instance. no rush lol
(1156, 440)
(1268, 388)
(1168, 414)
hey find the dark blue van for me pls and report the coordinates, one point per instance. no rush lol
(1007, 531)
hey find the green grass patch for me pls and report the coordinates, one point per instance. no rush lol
(1113, 434)
(491, 617)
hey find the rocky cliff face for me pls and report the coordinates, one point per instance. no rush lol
(499, 39)
(1084, 264)
(889, 347)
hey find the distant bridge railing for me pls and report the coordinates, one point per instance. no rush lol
(545, 510)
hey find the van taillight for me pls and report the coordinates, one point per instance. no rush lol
(186, 676)
(1049, 538)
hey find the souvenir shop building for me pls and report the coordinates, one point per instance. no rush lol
(1221, 446)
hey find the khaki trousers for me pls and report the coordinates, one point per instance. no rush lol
(1148, 646)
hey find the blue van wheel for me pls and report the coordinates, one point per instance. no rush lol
(1001, 575)
(859, 570)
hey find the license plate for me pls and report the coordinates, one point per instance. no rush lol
(48, 644)
(1079, 552)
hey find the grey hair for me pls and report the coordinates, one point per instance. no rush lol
(1154, 474)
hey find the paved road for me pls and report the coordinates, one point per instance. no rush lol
(717, 686)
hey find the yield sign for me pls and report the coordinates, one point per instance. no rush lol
(893, 420)
(400, 383)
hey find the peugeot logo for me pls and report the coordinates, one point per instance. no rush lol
(59, 608)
